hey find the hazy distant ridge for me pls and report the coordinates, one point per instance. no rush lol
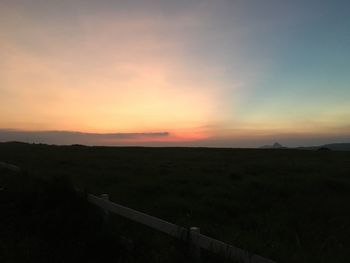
(331, 146)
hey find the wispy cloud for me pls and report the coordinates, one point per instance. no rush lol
(71, 137)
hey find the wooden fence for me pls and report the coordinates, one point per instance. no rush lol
(192, 234)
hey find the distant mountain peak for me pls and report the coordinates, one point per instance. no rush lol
(276, 145)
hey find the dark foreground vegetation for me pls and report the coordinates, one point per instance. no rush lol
(48, 222)
(287, 205)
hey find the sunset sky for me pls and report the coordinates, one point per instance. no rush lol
(226, 73)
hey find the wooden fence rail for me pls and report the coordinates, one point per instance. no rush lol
(10, 167)
(153, 222)
(196, 238)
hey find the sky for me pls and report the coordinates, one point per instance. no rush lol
(223, 73)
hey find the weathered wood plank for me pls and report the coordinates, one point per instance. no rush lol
(227, 250)
(10, 167)
(153, 222)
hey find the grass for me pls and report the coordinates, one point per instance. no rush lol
(287, 205)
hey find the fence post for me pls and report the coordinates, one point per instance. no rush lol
(106, 212)
(195, 249)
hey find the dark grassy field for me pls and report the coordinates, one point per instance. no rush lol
(287, 205)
